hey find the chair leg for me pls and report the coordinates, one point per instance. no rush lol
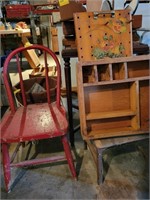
(6, 166)
(68, 155)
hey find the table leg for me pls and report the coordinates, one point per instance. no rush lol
(69, 98)
(100, 175)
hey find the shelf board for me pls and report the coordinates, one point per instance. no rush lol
(116, 81)
(13, 31)
(112, 114)
(108, 133)
(108, 142)
(115, 60)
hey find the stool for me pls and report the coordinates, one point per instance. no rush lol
(97, 147)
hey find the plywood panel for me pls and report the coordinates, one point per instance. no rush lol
(103, 34)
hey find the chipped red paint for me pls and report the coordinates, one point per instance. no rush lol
(34, 121)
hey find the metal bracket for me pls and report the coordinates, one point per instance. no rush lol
(97, 14)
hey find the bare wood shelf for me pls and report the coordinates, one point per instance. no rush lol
(127, 131)
(112, 114)
(113, 96)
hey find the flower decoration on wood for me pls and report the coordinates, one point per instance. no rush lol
(108, 47)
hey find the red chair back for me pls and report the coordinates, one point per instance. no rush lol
(16, 54)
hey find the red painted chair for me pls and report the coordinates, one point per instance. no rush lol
(32, 122)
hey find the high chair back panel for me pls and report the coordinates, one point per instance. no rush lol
(31, 122)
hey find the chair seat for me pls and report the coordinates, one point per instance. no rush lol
(36, 121)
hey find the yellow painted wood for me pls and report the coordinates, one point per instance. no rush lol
(31, 55)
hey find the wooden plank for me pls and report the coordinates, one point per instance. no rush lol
(110, 72)
(109, 142)
(144, 100)
(129, 80)
(93, 150)
(125, 70)
(13, 31)
(113, 133)
(31, 55)
(115, 60)
(81, 97)
(112, 114)
(134, 100)
(95, 73)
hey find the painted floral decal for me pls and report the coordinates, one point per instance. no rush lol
(108, 47)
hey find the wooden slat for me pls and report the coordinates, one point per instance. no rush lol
(110, 71)
(92, 150)
(31, 55)
(115, 60)
(13, 31)
(108, 142)
(116, 81)
(81, 97)
(113, 133)
(112, 114)
(134, 101)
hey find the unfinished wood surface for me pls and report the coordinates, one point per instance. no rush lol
(115, 132)
(134, 103)
(31, 55)
(103, 34)
(109, 142)
(113, 114)
(139, 69)
(114, 97)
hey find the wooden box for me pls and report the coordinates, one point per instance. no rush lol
(113, 96)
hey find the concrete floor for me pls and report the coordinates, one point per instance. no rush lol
(126, 170)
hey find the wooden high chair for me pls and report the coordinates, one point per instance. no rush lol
(32, 122)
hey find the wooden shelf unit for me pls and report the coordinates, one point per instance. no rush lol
(113, 96)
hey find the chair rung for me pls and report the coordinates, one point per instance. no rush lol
(38, 161)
